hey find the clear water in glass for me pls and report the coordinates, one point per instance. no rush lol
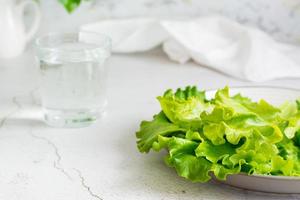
(73, 83)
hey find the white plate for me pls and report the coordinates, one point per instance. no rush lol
(275, 184)
(262, 183)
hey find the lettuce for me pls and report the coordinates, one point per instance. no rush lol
(160, 126)
(70, 5)
(224, 135)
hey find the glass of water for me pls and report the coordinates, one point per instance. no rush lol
(73, 77)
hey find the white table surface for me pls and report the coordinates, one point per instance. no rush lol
(101, 161)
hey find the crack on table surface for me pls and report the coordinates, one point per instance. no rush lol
(56, 163)
(84, 184)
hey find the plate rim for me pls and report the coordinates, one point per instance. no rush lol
(254, 87)
(263, 176)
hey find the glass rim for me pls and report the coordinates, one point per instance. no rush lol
(107, 42)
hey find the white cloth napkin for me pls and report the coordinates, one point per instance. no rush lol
(216, 42)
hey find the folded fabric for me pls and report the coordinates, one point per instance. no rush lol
(224, 45)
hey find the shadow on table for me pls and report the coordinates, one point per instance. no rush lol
(18, 122)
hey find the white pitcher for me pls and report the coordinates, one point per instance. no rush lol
(13, 34)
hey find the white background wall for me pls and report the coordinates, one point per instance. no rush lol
(281, 18)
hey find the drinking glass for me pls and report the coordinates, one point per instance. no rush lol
(73, 77)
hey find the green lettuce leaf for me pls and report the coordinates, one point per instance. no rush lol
(182, 158)
(184, 107)
(150, 130)
(70, 5)
(224, 135)
(290, 113)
